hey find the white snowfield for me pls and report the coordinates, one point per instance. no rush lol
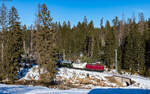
(20, 89)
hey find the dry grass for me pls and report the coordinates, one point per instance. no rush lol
(112, 80)
(82, 83)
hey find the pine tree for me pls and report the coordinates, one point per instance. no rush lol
(134, 49)
(147, 49)
(91, 37)
(45, 44)
(3, 29)
(14, 45)
(110, 45)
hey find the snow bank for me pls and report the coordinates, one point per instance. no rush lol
(33, 73)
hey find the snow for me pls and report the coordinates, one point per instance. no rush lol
(140, 82)
(80, 77)
(31, 73)
(20, 89)
(69, 73)
(75, 75)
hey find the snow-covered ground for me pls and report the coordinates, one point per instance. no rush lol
(89, 79)
(30, 74)
(20, 89)
(74, 74)
(140, 82)
(83, 81)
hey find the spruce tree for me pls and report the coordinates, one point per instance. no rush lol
(147, 49)
(3, 29)
(45, 44)
(14, 45)
(110, 45)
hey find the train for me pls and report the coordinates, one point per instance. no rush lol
(83, 66)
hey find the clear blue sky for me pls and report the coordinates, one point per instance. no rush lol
(75, 10)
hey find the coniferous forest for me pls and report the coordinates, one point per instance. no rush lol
(45, 39)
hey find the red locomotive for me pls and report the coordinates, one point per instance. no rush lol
(96, 67)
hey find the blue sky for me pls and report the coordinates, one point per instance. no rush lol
(75, 10)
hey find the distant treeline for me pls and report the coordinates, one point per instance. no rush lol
(45, 39)
(131, 39)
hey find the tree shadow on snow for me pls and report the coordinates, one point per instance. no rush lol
(24, 71)
(119, 91)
